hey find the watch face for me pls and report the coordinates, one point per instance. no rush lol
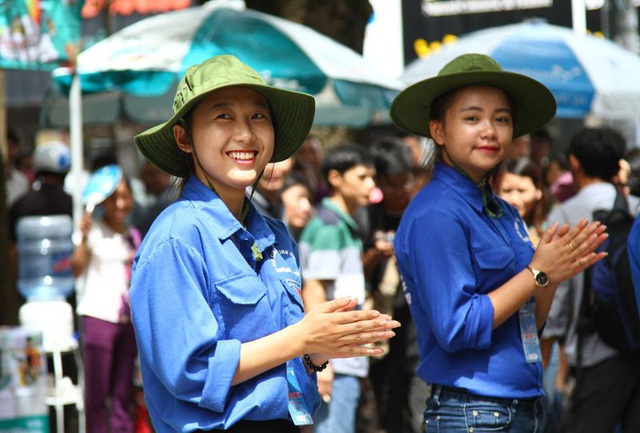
(542, 279)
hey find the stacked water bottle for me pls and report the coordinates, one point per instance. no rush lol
(45, 278)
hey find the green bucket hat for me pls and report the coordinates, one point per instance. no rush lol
(411, 109)
(292, 112)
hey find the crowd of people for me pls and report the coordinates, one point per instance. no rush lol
(429, 277)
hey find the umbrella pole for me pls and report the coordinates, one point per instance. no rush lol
(579, 16)
(77, 168)
(77, 156)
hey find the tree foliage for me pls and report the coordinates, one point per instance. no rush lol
(343, 21)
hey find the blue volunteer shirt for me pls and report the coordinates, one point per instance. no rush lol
(197, 293)
(633, 245)
(451, 254)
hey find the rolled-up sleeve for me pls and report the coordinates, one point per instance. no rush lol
(445, 284)
(634, 257)
(176, 327)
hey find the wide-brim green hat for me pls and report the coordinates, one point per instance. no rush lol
(292, 112)
(535, 105)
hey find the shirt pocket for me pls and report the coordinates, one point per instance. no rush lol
(245, 289)
(494, 266)
(243, 310)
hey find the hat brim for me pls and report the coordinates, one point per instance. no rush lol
(292, 112)
(411, 109)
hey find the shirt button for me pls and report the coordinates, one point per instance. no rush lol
(475, 413)
(496, 414)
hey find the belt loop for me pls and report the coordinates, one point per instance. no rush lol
(435, 392)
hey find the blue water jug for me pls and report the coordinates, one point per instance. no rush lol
(44, 257)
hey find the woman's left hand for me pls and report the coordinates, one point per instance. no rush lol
(563, 252)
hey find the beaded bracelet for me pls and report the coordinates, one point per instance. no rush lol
(312, 366)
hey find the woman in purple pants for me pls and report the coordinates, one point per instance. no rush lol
(104, 259)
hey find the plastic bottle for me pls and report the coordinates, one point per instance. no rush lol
(44, 254)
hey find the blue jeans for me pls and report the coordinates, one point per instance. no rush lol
(339, 416)
(456, 411)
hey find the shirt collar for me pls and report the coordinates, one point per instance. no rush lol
(223, 224)
(459, 184)
(332, 206)
(597, 188)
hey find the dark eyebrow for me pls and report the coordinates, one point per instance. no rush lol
(226, 104)
(474, 108)
(261, 104)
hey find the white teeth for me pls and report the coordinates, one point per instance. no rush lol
(242, 155)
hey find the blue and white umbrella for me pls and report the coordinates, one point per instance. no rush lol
(585, 73)
(146, 60)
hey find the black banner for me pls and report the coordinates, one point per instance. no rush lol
(432, 20)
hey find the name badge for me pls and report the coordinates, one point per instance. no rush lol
(297, 406)
(529, 333)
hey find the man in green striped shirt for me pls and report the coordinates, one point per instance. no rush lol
(331, 264)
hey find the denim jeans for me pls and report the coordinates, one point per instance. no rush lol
(456, 411)
(339, 416)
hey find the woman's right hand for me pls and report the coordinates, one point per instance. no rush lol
(82, 252)
(85, 224)
(335, 329)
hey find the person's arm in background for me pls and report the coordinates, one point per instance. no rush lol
(82, 252)
(381, 249)
(313, 294)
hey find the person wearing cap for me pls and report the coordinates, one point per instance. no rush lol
(479, 292)
(224, 341)
(52, 161)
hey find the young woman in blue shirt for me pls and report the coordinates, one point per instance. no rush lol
(479, 292)
(223, 339)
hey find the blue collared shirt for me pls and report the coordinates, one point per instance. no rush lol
(451, 254)
(633, 245)
(197, 293)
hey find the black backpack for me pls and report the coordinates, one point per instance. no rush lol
(608, 301)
